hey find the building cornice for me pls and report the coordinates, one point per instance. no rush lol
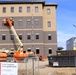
(51, 4)
(21, 1)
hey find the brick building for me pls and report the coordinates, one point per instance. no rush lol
(34, 22)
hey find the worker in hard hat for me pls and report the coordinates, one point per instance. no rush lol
(12, 20)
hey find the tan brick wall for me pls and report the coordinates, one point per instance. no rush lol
(49, 17)
(24, 10)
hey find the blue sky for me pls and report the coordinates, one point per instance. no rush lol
(65, 18)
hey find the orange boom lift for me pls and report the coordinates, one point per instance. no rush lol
(20, 54)
(3, 56)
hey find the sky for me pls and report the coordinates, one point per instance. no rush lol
(65, 18)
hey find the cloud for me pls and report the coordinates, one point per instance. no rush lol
(62, 37)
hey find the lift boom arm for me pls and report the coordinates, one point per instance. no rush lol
(9, 23)
(20, 54)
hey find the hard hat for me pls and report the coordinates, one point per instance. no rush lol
(11, 18)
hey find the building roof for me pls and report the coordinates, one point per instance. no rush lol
(72, 38)
(51, 4)
(21, 1)
(27, 2)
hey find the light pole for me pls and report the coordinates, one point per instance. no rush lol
(74, 46)
(75, 49)
(32, 40)
(33, 63)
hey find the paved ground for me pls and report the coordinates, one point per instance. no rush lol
(42, 68)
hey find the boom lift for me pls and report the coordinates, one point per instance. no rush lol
(3, 56)
(20, 54)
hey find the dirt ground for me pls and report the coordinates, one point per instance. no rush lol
(43, 68)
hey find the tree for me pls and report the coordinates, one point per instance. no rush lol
(60, 48)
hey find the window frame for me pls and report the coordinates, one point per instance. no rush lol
(3, 37)
(38, 51)
(49, 37)
(48, 11)
(20, 36)
(37, 22)
(20, 22)
(49, 24)
(4, 9)
(12, 37)
(12, 9)
(36, 9)
(37, 36)
(28, 9)
(28, 37)
(49, 51)
(28, 23)
(20, 9)
(29, 49)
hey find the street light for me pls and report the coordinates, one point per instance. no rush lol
(74, 25)
(75, 49)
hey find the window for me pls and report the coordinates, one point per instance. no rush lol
(4, 9)
(28, 23)
(13, 23)
(36, 9)
(50, 51)
(49, 37)
(28, 9)
(37, 51)
(3, 37)
(20, 37)
(29, 50)
(20, 9)
(12, 37)
(37, 22)
(20, 23)
(28, 37)
(37, 36)
(49, 24)
(48, 11)
(12, 9)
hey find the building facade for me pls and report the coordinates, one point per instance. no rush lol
(34, 22)
(71, 44)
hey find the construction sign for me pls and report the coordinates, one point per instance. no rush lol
(55, 64)
(8, 68)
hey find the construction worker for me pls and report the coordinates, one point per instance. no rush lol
(12, 20)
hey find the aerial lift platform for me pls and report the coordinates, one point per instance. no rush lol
(20, 54)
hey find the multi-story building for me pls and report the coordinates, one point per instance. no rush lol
(71, 44)
(34, 22)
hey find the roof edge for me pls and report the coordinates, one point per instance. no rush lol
(20, 2)
(51, 4)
